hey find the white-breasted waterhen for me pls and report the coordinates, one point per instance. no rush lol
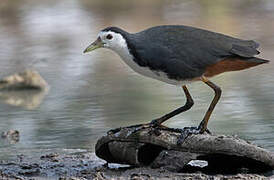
(178, 54)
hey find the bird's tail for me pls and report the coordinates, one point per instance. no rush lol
(257, 61)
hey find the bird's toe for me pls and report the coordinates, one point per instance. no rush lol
(187, 131)
(113, 131)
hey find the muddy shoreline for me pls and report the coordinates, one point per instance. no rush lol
(87, 166)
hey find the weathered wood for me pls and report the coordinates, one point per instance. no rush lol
(144, 147)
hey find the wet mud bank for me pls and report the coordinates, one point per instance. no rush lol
(88, 166)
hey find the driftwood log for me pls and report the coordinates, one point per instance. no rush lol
(158, 148)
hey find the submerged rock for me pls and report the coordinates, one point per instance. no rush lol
(29, 79)
(11, 135)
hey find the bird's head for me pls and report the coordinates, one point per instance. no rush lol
(111, 37)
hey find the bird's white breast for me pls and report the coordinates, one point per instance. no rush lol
(121, 48)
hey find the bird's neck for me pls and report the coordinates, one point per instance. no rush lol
(121, 48)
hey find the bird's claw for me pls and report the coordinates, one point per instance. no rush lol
(153, 126)
(154, 123)
(137, 127)
(113, 131)
(187, 131)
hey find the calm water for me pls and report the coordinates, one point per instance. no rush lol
(93, 93)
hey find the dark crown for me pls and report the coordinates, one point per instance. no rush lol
(115, 29)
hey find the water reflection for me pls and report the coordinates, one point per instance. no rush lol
(93, 93)
(29, 99)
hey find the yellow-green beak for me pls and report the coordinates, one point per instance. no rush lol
(96, 44)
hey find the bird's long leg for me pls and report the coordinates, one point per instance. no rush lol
(203, 125)
(185, 132)
(189, 103)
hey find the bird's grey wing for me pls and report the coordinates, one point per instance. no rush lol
(220, 45)
(163, 59)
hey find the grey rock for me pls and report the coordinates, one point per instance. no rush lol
(29, 79)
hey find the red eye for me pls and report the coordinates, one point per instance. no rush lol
(109, 36)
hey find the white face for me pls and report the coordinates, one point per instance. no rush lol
(112, 40)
